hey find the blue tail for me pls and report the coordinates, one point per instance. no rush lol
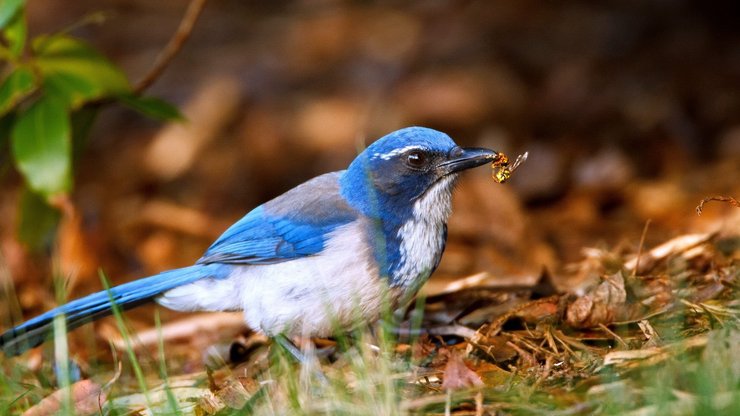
(98, 305)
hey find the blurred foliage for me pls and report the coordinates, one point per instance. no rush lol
(52, 87)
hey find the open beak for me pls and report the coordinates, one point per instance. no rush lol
(461, 158)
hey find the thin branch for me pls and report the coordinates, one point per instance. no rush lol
(173, 46)
(734, 202)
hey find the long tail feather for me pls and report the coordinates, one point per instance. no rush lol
(98, 305)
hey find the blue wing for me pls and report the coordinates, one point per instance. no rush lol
(261, 238)
(295, 224)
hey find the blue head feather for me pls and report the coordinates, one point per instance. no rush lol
(380, 183)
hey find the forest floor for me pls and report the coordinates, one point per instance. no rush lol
(587, 284)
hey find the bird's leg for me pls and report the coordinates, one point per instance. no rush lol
(291, 348)
(295, 352)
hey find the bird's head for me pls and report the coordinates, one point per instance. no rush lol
(397, 170)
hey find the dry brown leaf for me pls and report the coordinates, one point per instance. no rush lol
(77, 257)
(210, 404)
(538, 311)
(601, 305)
(423, 348)
(458, 376)
(491, 374)
(526, 360)
(496, 347)
(234, 394)
(87, 399)
(652, 338)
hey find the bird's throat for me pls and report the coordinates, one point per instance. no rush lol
(421, 239)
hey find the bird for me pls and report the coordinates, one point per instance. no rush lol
(323, 256)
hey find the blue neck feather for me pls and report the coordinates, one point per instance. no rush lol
(386, 213)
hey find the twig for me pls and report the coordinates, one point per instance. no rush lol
(713, 311)
(173, 46)
(454, 329)
(734, 202)
(566, 348)
(550, 341)
(530, 345)
(642, 245)
(613, 334)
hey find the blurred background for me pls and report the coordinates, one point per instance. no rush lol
(630, 112)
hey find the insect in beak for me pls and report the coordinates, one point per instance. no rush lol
(502, 170)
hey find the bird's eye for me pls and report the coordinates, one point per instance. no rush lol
(416, 159)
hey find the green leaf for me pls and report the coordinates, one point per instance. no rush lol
(71, 89)
(16, 86)
(15, 33)
(75, 72)
(37, 222)
(42, 148)
(152, 107)
(8, 10)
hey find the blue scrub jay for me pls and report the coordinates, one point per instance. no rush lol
(327, 253)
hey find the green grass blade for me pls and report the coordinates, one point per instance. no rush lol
(171, 399)
(118, 314)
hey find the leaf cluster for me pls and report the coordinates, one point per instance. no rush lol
(51, 88)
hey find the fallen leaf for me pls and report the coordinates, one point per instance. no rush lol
(77, 254)
(87, 399)
(496, 347)
(458, 376)
(527, 360)
(538, 311)
(601, 305)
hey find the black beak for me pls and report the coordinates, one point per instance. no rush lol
(460, 159)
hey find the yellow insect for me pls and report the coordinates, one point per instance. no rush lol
(502, 170)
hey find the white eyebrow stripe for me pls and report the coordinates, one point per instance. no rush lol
(395, 152)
